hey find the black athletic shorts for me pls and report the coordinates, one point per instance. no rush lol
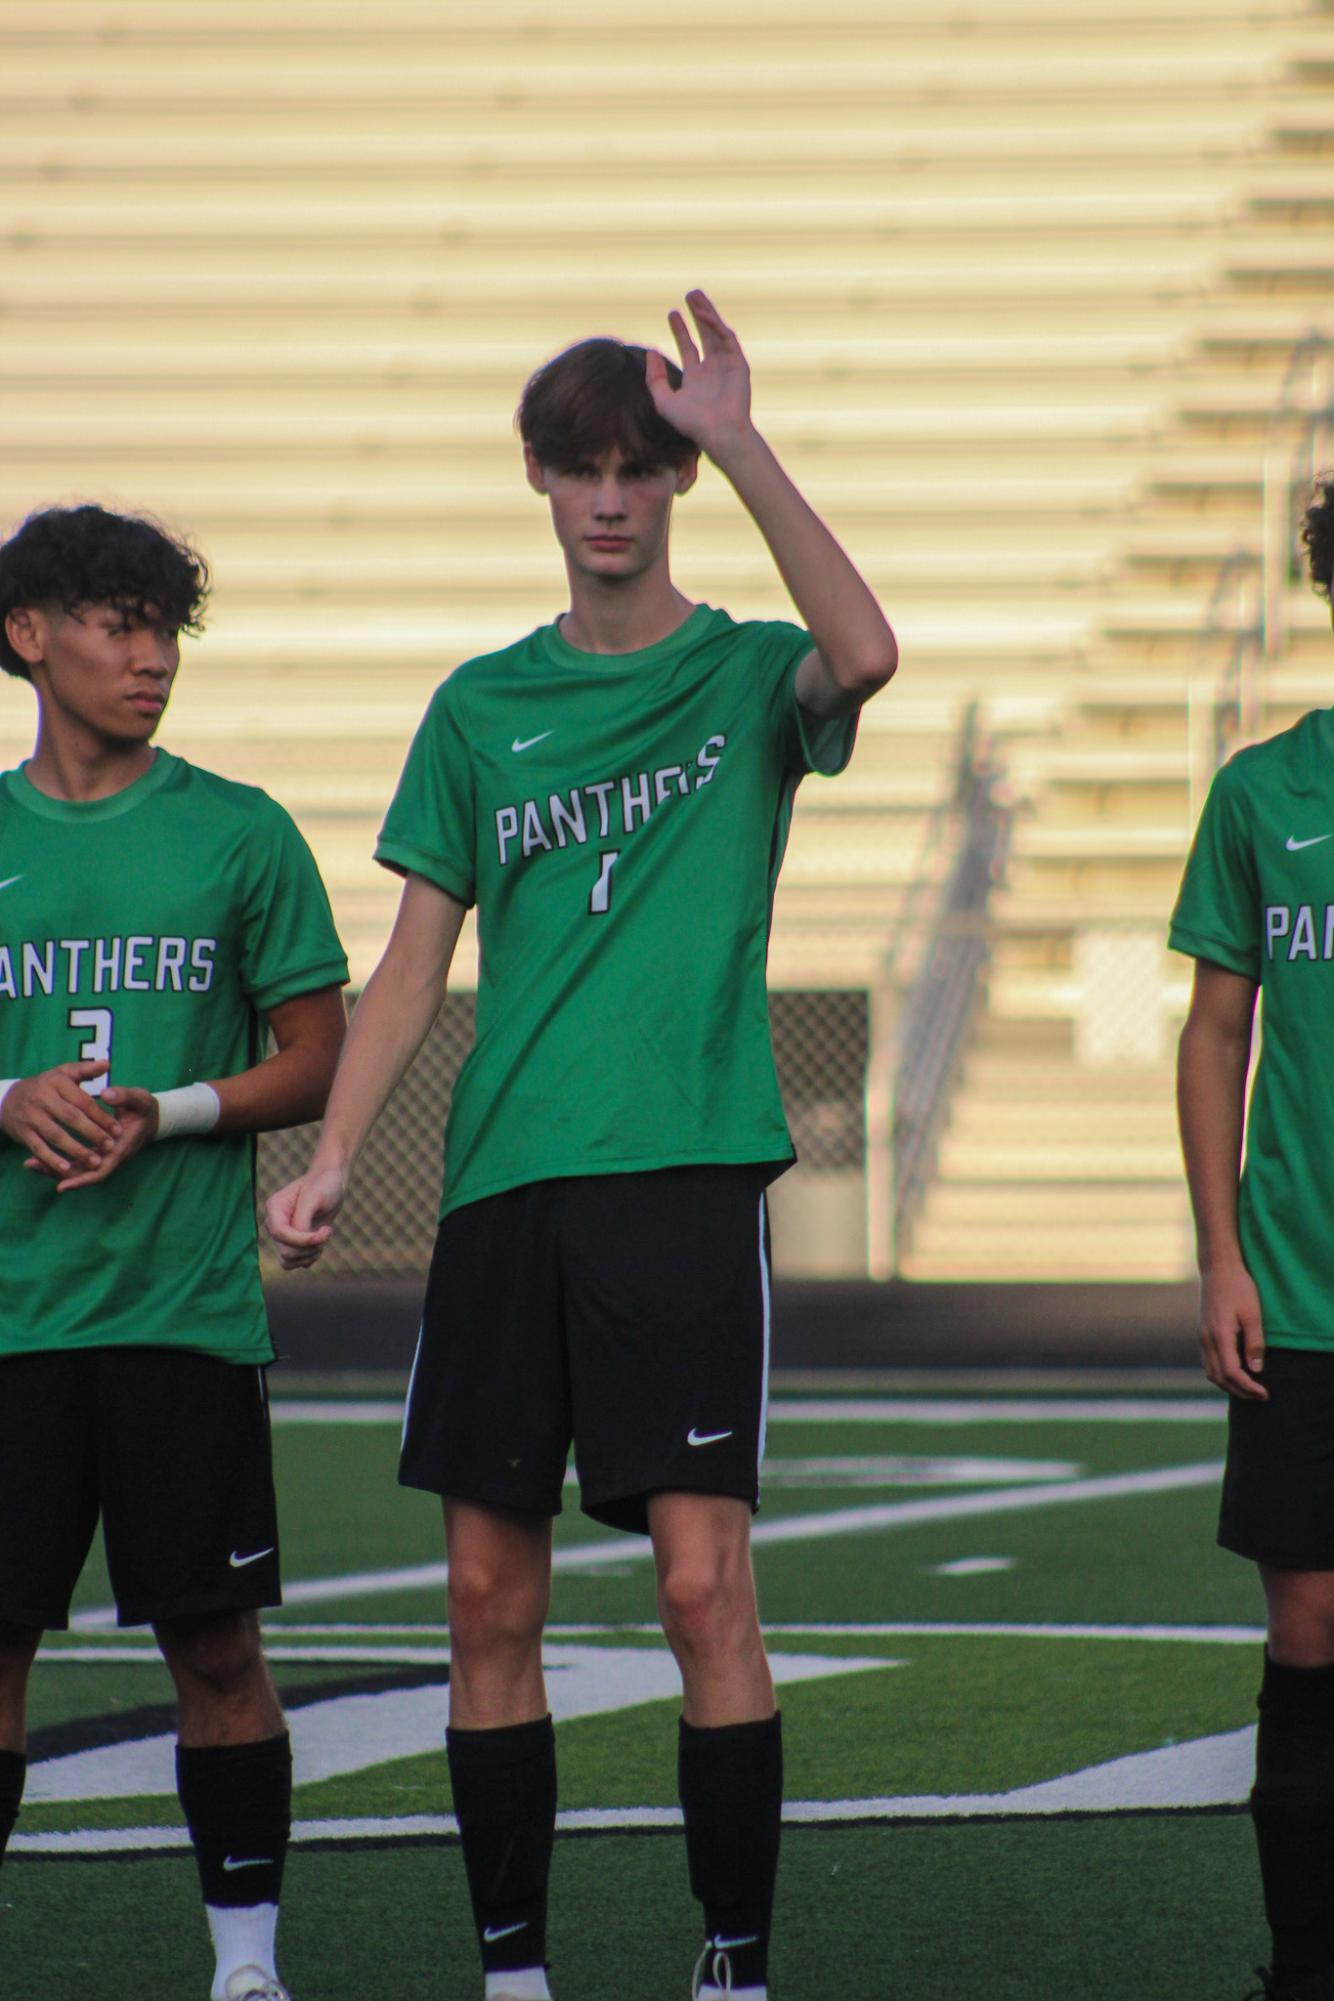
(171, 1448)
(628, 1312)
(1278, 1488)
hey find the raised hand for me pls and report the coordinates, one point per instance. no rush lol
(712, 406)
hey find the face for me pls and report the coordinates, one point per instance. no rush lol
(611, 517)
(100, 668)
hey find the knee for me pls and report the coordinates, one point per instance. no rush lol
(701, 1603)
(489, 1608)
(217, 1658)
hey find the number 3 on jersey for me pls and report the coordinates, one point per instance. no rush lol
(599, 903)
(97, 1049)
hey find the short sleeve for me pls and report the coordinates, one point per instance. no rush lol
(431, 826)
(1217, 909)
(289, 944)
(821, 744)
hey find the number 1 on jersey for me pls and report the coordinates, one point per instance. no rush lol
(600, 901)
(97, 1049)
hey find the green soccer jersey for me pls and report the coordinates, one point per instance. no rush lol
(619, 821)
(1258, 899)
(152, 929)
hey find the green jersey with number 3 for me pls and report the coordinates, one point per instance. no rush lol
(619, 821)
(1258, 900)
(151, 930)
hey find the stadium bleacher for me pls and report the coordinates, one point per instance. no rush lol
(1021, 288)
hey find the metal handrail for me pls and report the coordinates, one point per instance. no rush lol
(921, 1012)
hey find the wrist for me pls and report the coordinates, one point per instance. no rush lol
(6, 1086)
(734, 451)
(189, 1110)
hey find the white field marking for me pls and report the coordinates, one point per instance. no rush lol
(351, 1733)
(861, 1410)
(1000, 1410)
(887, 1469)
(973, 1566)
(589, 1556)
(1208, 1772)
(881, 1629)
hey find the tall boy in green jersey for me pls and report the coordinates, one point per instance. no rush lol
(153, 917)
(613, 795)
(1256, 912)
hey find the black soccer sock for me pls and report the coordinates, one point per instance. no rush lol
(13, 1772)
(1292, 1806)
(237, 1800)
(731, 1784)
(504, 1785)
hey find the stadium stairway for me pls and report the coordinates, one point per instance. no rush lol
(1019, 286)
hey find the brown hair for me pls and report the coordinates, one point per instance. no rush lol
(594, 396)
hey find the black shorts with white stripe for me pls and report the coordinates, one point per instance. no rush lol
(626, 1312)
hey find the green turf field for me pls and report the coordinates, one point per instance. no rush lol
(1017, 1681)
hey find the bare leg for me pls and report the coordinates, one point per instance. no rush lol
(499, 1591)
(18, 1648)
(706, 1600)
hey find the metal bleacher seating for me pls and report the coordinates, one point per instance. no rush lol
(1020, 285)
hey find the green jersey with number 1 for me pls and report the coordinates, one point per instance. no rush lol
(619, 821)
(152, 930)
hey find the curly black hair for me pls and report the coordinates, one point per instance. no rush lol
(594, 396)
(1318, 535)
(70, 556)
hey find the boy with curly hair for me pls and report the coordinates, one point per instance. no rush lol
(155, 922)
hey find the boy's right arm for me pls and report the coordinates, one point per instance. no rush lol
(389, 1025)
(1211, 1099)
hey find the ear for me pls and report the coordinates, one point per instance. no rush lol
(535, 471)
(27, 632)
(687, 475)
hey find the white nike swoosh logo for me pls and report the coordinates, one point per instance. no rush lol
(239, 1562)
(726, 1944)
(9, 879)
(493, 1932)
(1292, 845)
(248, 1862)
(526, 743)
(694, 1437)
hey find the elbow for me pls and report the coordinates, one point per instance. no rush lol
(873, 669)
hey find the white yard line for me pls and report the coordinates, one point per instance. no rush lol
(277, 1645)
(624, 1550)
(860, 1410)
(1208, 1772)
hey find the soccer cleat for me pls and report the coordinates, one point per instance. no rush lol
(1317, 1986)
(252, 1983)
(711, 1979)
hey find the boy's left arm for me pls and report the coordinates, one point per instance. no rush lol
(287, 1088)
(855, 649)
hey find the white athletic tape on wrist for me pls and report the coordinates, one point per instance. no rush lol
(6, 1086)
(191, 1108)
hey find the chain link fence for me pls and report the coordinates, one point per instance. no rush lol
(388, 1226)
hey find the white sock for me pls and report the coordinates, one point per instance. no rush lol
(529, 1984)
(242, 1936)
(734, 1994)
